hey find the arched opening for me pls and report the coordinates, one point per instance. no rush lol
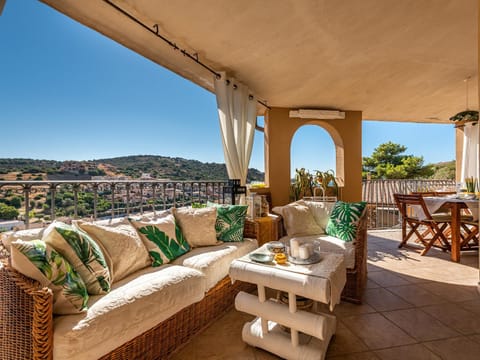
(314, 154)
(312, 148)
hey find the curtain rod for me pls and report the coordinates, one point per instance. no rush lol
(193, 57)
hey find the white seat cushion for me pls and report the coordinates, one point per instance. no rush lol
(214, 261)
(135, 305)
(330, 244)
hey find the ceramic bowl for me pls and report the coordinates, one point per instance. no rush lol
(276, 247)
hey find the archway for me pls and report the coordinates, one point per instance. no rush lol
(313, 148)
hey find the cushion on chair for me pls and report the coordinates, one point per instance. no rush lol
(41, 262)
(321, 211)
(298, 219)
(83, 253)
(197, 225)
(214, 261)
(344, 219)
(124, 251)
(133, 306)
(163, 239)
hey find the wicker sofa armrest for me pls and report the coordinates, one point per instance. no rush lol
(361, 241)
(357, 277)
(26, 316)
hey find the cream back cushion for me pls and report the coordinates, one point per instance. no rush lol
(321, 211)
(124, 251)
(298, 219)
(197, 225)
(25, 235)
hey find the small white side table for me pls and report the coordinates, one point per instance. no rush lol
(310, 333)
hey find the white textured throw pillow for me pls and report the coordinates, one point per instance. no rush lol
(299, 220)
(198, 225)
(124, 251)
(321, 211)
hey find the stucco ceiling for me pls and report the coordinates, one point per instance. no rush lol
(394, 60)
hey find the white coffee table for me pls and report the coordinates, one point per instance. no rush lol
(310, 333)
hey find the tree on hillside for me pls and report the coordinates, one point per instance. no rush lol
(388, 161)
(444, 170)
(7, 212)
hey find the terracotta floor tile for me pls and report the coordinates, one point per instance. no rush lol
(345, 342)
(471, 305)
(455, 348)
(376, 331)
(371, 284)
(475, 338)
(225, 334)
(383, 300)
(387, 278)
(261, 354)
(357, 356)
(420, 325)
(456, 317)
(372, 267)
(416, 295)
(451, 292)
(410, 352)
(346, 309)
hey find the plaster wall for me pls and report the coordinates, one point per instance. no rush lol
(347, 137)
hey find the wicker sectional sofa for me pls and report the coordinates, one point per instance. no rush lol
(152, 312)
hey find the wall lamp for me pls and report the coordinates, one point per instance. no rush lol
(317, 114)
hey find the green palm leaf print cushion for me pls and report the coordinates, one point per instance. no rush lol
(230, 222)
(41, 262)
(344, 219)
(83, 253)
(163, 239)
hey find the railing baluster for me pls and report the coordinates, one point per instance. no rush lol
(75, 200)
(112, 188)
(95, 200)
(141, 197)
(154, 196)
(127, 189)
(26, 192)
(53, 190)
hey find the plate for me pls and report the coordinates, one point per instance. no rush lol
(261, 257)
(315, 258)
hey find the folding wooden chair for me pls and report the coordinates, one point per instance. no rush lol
(469, 231)
(429, 230)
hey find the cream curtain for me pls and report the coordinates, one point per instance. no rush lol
(237, 111)
(470, 157)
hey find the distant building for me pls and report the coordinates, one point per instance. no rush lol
(11, 224)
(146, 176)
(111, 177)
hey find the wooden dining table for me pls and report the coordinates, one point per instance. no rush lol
(436, 203)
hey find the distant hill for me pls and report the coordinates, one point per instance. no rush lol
(160, 167)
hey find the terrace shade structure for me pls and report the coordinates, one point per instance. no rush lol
(373, 59)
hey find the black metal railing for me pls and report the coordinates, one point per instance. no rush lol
(43, 201)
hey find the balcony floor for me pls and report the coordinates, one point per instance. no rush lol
(416, 307)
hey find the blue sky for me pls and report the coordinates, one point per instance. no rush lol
(68, 93)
